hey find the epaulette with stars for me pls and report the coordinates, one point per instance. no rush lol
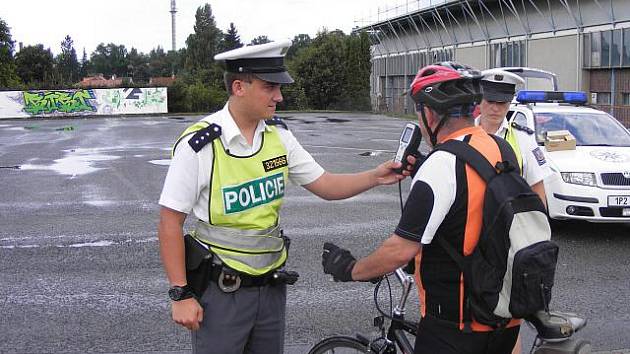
(275, 120)
(522, 128)
(204, 136)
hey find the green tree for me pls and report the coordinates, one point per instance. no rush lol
(177, 101)
(35, 65)
(320, 70)
(357, 69)
(300, 42)
(176, 60)
(138, 64)
(67, 62)
(85, 65)
(203, 44)
(159, 63)
(259, 40)
(110, 59)
(8, 76)
(231, 39)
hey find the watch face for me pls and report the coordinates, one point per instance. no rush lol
(175, 293)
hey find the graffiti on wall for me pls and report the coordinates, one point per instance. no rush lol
(71, 102)
(139, 98)
(51, 101)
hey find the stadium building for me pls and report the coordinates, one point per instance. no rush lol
(585, 42)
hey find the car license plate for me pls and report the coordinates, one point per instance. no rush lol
(619, 200)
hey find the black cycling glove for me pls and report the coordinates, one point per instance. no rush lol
(337, 262)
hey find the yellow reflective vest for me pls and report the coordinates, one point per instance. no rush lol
(246, 193)
(510, 137)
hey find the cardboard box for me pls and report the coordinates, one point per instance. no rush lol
(559, 140)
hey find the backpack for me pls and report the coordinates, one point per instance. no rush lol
(511, 270)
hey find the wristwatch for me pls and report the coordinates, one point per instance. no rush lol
(177, 293)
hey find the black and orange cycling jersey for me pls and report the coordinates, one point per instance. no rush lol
(446, 200)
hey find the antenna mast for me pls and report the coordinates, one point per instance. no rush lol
(173, 11)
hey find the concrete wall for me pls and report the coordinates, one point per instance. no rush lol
(473, 56)
(80, 102)
(559, 55)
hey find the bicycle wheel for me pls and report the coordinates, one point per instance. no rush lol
(339, 345)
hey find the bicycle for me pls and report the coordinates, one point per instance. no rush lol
(386, 342)
(555, 330)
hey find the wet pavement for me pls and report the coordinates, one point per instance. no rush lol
(79, 263)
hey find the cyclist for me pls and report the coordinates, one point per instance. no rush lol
(445, 201)
(498, 88)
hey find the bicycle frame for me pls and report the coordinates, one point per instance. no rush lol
(396, 333)
(394, 337)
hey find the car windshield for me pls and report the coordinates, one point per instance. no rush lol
(587, 128)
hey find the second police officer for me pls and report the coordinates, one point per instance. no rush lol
(498, 87)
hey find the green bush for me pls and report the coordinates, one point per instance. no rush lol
(218, 97)
(294, 98)
(177, 97)
(205, 99)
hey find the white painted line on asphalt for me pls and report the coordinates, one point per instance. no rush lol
(92, 244)
(101, 243)
(74, 164)
(378, 139)
(100, 203)
(163, 162)
(347, 148)
(148, 204)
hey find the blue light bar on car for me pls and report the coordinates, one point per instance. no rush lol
(573, 97)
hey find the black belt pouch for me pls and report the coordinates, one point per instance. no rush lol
(198, 264)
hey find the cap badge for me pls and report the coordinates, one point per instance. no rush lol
(428, 89)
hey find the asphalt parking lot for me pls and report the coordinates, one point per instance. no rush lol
(79, 263)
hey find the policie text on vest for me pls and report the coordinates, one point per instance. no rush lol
(253, 193)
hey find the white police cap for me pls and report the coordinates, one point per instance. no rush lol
(265, 61)
(499, 85)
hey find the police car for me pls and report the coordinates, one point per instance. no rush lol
(588, 151)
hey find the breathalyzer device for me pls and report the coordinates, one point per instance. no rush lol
(408, 145)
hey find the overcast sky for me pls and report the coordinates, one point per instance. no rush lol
(145, 24)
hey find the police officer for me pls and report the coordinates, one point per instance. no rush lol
(230, 170)
(498, 88)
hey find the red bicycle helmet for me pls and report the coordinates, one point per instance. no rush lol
(445, 85)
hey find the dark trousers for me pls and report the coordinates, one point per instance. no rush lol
(437, 338)
(249, 320)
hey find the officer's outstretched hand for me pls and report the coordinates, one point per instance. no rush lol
(386, 174)
(337, 262)
(187, 313)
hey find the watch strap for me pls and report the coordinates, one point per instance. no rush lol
(185, 292)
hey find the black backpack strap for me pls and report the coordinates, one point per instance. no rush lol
(471, 156)
(456, 256)
(464, 266)
(507, 154)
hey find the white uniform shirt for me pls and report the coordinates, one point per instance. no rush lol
(187, 183)
(535, 166)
